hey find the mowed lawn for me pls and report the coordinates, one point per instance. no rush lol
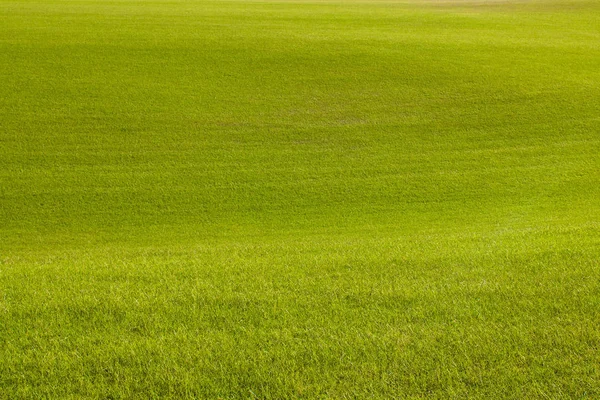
(299, 199)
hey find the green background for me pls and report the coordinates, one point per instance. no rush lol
(239, 199)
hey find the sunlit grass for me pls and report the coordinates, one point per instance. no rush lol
(299, 199)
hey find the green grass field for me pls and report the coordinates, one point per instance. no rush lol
(299, 199)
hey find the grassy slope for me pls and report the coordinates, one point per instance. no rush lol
(294, 199)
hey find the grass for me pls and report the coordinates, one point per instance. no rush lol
(299, 199)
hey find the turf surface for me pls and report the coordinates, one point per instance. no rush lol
(243, 199)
